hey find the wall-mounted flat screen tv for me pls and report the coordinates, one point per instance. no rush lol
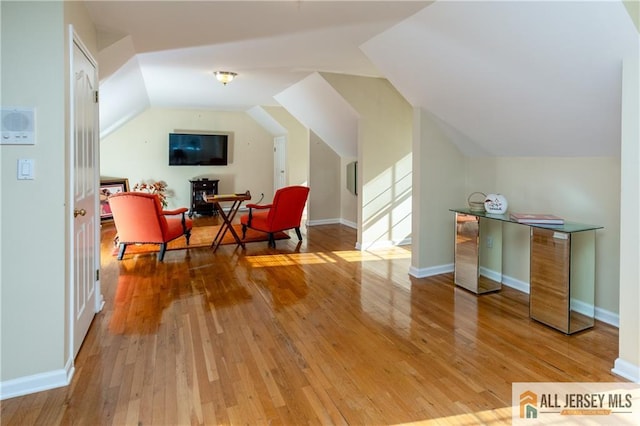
(198, 150)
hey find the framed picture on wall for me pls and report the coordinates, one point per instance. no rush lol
(110, 186)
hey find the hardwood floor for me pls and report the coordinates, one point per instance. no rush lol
(309, 333)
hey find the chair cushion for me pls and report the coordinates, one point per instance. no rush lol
(258, 220)
(174, 227)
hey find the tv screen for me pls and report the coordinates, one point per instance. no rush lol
(198, 150)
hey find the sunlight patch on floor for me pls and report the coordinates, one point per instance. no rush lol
(268, 260)
(499, 416)
(380, 254)
(287, 259)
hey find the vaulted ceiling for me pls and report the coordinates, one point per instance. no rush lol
(503, 78)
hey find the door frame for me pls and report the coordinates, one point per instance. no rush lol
(74, 39)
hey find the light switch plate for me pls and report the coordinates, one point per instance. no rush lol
(26, 169)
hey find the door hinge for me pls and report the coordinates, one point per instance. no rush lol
(97, 274)
(96, 96)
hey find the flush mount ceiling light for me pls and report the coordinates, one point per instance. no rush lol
(225, 77)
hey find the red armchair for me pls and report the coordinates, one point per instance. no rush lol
(139, 219)
(285, 212)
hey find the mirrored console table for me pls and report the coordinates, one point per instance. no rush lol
(561, 270)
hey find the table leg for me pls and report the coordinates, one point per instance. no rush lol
(227, 218)
(218, 238)
(232, 214)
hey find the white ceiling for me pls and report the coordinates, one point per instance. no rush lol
(174, 47)
(517, 78)
(502, 78)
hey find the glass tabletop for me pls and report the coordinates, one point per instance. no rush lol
(566, 227)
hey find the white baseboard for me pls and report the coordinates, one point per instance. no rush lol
(349, 223)
(382, 244)
(602, 315)
(334, 221)
(405, 242)
(491, 274)
(515, 284)
(627, 370)
(430, 271)
(582, 307)
(37, 382)
(608, 317)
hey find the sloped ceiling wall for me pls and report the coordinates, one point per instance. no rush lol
(506, 78)
(123, 93)
(265, 119)
(514, 78)
(319, 107)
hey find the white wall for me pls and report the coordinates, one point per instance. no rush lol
(34, 214)
(438, 185)
(585, 190)
(29, 295)
(384, 158)
(628, 362)
(139, 151)
(297, 145)
(324, 183)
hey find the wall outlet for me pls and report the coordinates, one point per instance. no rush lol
(489, 242)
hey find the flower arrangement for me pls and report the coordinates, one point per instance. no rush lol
(159, 188)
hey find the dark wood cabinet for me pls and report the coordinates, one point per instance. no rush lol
(198, 188)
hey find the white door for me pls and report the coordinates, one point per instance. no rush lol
(279, 162)
(86, 299)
